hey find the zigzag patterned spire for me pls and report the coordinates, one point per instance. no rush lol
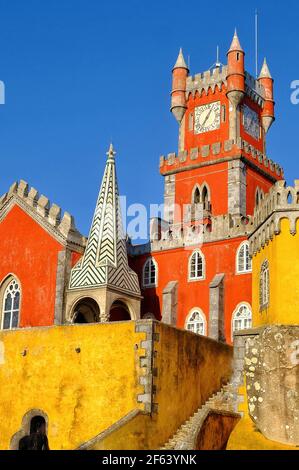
(105, 260)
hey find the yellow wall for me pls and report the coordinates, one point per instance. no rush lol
(82, 393)
(246, 436)
(282, 254)
(190, 368)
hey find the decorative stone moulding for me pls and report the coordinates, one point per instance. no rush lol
(282, 202)
(40, 208)
(219, 149)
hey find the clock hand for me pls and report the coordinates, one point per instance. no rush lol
(207, 117)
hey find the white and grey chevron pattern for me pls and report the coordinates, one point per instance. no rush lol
(105, 261)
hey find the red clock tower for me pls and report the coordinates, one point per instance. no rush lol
(221, 167)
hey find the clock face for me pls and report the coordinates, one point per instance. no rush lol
(251, 122)
(207, 117)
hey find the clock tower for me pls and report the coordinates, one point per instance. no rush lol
(224, 115)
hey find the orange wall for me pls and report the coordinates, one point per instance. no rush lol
(214, 175)
(258, 144)
(219, 135)
(30, 253)
(173, 265)
(254, 181)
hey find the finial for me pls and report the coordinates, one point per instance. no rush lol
(111, 153)
(265, 72)
(180, 62)
(235, 45)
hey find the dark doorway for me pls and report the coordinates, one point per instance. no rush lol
(86, 311)
(119, 311)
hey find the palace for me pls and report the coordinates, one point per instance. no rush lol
(122, 346)
(212, 185)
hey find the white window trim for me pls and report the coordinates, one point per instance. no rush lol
(247, 304)
(154, 284)
(264, 303)
(201, 278)
(199, 310)
(3, 288)
(237, 259)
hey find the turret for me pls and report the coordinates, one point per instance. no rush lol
(235, 72)
(235, 82)
(178, 94)
(266, 81)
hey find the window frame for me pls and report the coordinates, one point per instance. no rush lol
(203, 276)
(204, 321)
(244, 244)
(150, 284)
(241, 304)
(264, 290)
(3, 291)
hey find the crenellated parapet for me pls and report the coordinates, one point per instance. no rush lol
(218, 152)
(203, 82)
(282, 202)
(46, 214)
(208, 81)
(182, 235)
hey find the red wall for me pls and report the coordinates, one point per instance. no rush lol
(219, 135)
(173, 266)
(30, 253)
(216, 176)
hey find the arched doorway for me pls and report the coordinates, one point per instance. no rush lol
(119, 311)
(33, 432)
(86, 311)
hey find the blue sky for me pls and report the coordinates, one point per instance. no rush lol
(80, 73)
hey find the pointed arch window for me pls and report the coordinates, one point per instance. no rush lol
(196, 266)
(242, 318)
(264, 285)
(11, 305)
(205, 199)
(150, 273)
(196, 322)
(243, 260)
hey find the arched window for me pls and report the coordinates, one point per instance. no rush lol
(243, 261)
(11, 305)
(242, 318)
(196, 322)
(150, 273)
(196, 266)
(196, 196)
(205, 199)
(264, 285)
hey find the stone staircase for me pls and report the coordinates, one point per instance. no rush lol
(224, 400)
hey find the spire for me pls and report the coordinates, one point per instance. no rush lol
(265, 72)
(180, 62)
(105, 261)
(235, 45)
(111, 153)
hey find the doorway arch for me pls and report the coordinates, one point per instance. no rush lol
(119, 311)
(86, 310)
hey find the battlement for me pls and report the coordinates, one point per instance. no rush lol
(281, 202)
(206, 80)
(47, 214)
(254, 89)
(181, 235)
(218, 77)
(219, 151)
